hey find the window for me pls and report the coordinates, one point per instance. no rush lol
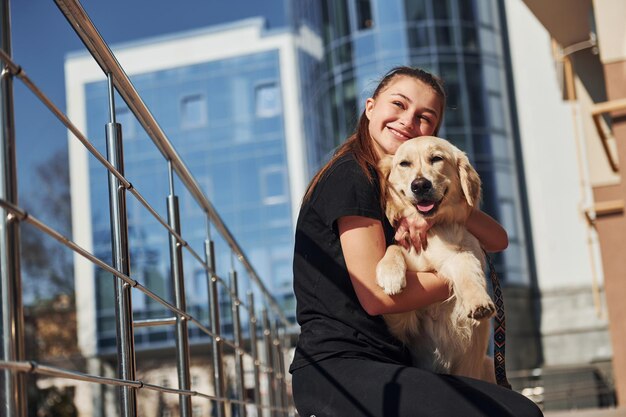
(273, 185)
(193, 111)
(364, 14)
(415, 10)
(267, 99)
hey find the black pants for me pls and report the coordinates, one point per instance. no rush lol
(341, 387)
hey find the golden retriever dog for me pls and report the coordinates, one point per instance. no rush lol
(430, 177)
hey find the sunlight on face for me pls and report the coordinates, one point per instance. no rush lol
(405, 109)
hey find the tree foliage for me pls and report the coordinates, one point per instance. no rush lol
(47, 266)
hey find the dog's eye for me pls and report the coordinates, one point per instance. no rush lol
(435, 158)
(405, 164)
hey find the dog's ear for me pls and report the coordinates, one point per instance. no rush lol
(470, 181)
(384, 165)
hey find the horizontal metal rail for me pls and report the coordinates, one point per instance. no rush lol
(155, 322)
(88, 33)
(35, 368)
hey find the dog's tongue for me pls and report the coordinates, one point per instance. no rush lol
(424, 208)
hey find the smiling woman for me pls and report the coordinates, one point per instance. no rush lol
(347, 363)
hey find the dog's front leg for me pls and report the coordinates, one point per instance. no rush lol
(465, 272)
(391, 270)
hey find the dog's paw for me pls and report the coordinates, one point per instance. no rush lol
(481, 311)
(390, 277)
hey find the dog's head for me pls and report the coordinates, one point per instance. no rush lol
(433, 176)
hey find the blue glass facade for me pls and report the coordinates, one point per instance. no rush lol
(225, 118)
(459, 40)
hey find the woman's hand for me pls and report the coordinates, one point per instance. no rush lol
(412, 230)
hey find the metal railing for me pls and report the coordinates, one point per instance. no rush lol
(269, 322)
(567, 387)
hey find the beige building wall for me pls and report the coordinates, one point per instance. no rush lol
(590, 59)
(574, 331)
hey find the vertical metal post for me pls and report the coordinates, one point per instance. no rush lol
(278, 376)
(255, 354)
(281, 369)
(238, 342)
(182, 336)
(269, 361)
(13, 394)
(214, 312)
(121, 262)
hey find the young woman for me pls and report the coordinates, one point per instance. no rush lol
(346, 362)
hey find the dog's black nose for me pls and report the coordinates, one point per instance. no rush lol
(421, 186)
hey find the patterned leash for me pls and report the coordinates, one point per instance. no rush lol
(499, 328)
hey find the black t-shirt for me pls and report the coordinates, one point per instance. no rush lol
(331, 318)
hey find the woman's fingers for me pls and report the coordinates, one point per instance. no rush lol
(412, 230)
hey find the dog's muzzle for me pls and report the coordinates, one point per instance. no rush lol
(423, 191)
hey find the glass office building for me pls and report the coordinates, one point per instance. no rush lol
(226, 117)
(465, 43)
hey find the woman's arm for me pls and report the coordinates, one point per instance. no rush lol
(363, 244)
(489, 232)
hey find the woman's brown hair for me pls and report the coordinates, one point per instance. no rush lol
(360, 142)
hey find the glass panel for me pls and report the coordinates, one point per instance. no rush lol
(485, 12)
(459, 140)
(415, 10)
(492, 78)
(469, 38)
(193, 111)
(475, 94)
(482, 147)
(444, 35)
(496, 113)
(268, 102)
(418, 36)
(488, 40)
(341, 18)
(388, 12)
(441, 9)
(467, 10)
(364, 47)
(364, 19)
(273, 185)
(344, 52)
(392, 42)
(500, 146)
(454, 109)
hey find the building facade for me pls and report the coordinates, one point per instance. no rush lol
(228, 98)
(569, 75)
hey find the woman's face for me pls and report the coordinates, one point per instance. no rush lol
(405, 109)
